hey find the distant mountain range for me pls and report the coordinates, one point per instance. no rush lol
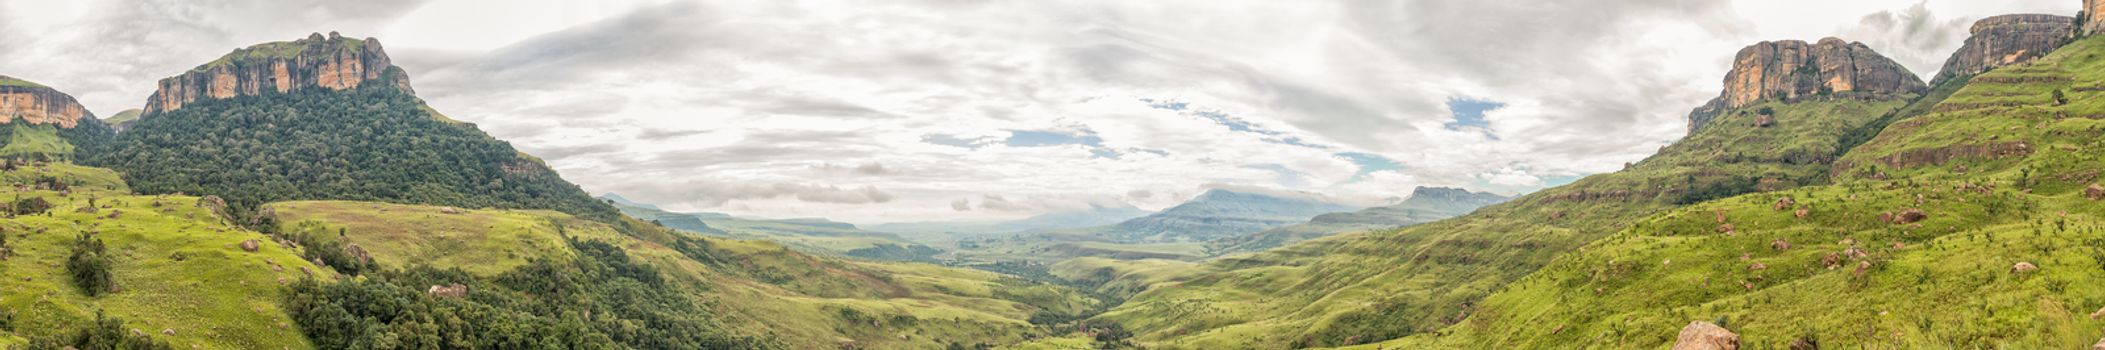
(1426, 204)
(808, 234)
(1216, 215)
(948, 232)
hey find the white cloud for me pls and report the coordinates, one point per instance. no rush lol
(821, 107)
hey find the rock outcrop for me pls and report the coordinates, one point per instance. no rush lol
(38, 104)
(1791, 70)
(1701, 335)
(317, 62)
(2006, 40)
(2092, 22)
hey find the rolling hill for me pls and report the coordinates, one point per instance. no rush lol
(819, 236)
(1426, 204)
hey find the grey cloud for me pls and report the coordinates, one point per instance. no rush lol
(999, 203)
(1914, 36)
(717, 193)
(663, 134)
(866, 169)
(559, 153)
(961, 205)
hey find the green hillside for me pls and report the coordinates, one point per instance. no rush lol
(369, 144)
(1365, 287)
(810, 235)
(755, 288)
(175, 264)
(2001, 170)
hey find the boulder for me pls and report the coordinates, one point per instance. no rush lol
(449, 210)
(2023, 267)
(356, 251)
(2095, 192)
(1785, 204)
(1701, 335)
(1802, 212)
(251, 245)
(1909, 216)
(455, 291)
(1780, 245)
(1757, 267)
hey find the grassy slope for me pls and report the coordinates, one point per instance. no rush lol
(805, 300)
(11, 81)
(1122, 278)
(32, 140)
(1948, 285)
(1393, 283)
(217, 296)
(822, 239)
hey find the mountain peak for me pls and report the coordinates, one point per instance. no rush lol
(1452, 195)
(37, 104)
(1791, 70)
(333, 62)
(2006, 40)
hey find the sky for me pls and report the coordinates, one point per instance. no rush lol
(930, 110)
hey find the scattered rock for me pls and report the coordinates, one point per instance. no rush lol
(1785, 204)
(251, 245)
(1701, 335)
(2023, 267)
(1909, 216)
(2095, 192)
(1780, 245)
(1802, 212)
(356, 251)
(2096, 314)
(1803, 343)
(1863, 267)
(1726, 229)
(1764, 121)
(168, 332)
(449, 210)
(1831, 260)
(455, 291)
(1757, 266)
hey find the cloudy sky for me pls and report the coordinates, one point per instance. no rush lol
(913, 110)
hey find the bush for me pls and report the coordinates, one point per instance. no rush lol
(29, 206)
(90, 266)
(105, 334)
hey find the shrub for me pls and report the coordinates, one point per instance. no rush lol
(90, 266)
(105, 334)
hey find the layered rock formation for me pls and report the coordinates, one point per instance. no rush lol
(2006, 40)
(2092, 22)
(38, 105)
(317, 62)
(1790, 70)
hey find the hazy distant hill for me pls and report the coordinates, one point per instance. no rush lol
(809, 234)
(1426, 204)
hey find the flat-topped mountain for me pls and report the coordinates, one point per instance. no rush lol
(38, 104)
(1790, 70)
(325, 118)
(2006, 40)
(317, 62)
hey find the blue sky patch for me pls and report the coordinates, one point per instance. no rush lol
(1368, 164)
(1469, 112)
(1041, 138)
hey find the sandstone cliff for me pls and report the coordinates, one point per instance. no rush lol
(2006, 40)
(317, 62)
(1791, 70)
(2092, 22)
(38, 105)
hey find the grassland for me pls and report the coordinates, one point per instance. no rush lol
(35, 141)
(179, 267)
(11, 81)
(1386, 284)
(1949, 282)
(807, 301)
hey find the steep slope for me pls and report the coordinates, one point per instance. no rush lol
(816, 236)
(1426, 204)
(1364, 287)
(1975, 225)
(324, 118)
(46, 124)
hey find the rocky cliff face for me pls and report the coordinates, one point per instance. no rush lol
(317, 62)
(1790, 70)
(2092, 22)
(2006, 40)
(38, 105)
